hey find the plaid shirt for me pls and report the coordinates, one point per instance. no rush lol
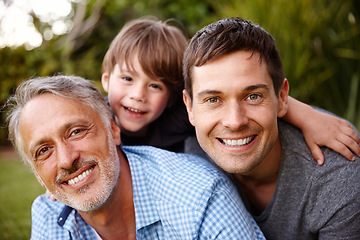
(176, 196)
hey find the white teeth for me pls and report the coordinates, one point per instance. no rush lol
(80, 177)
(134, 110)
(238, 142)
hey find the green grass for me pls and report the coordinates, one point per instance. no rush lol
(18, 189)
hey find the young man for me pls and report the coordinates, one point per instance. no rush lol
(235, 94)
(63, 128)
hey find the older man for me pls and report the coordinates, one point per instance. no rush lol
(235, 92)
(62, 127)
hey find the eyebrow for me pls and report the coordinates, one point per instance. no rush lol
(209, 92)
(248, 88)
(257, 86)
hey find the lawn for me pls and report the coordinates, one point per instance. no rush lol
(18, 189)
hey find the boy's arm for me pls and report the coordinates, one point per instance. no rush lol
(321, 129)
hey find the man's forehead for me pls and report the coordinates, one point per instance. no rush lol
(242, 67)
(48, 110)
(48, 102)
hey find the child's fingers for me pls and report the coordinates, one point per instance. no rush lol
(349, 131)
(349, 143)
(343, 149)
(317, 154)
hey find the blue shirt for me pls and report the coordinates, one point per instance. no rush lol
(176, 196)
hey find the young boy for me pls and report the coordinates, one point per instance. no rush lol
(142, 74)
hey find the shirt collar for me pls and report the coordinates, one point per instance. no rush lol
(146, 212)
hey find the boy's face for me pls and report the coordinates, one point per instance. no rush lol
(234, 110)
(136, 99)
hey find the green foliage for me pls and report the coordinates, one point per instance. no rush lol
(18, 189)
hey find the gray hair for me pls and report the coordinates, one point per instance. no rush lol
(71, 87)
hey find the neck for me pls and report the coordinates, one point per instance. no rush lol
(259, 185)
(116, 219)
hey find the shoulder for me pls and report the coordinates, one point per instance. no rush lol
(296, 152)
(187, 176)
(45, 208)
(176, 163)
(192, 196)
(335, 184)
(55, 220)
(44, 217)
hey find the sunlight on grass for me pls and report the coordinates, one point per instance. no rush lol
(18, 189)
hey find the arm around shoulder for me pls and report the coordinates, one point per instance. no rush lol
(321, 128)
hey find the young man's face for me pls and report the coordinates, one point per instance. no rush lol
(234, 111)
(74, 155)
(136, 99)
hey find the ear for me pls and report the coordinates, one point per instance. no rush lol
(188, 103)
(39, 179)
(115, 131)
(283, 98)
(105, 79)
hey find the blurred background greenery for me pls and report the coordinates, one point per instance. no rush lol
(18, 189)
(318, 40)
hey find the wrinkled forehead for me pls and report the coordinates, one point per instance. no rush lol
(47, 114)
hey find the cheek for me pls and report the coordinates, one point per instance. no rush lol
(47, 171)
(267, 119)
(159, 103)
(115, 100)
(116, 92)
(204, 120)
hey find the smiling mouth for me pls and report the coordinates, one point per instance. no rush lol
(236, 142)
(80, 177)
(134, 111)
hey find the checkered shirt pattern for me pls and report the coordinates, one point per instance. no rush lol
(176, 196)
(181, 196)
(54, 220)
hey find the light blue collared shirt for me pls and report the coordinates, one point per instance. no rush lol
(176, 196)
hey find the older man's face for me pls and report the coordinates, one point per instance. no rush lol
(234, 110)
(74, 155)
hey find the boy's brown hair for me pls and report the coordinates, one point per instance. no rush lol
(159, 48)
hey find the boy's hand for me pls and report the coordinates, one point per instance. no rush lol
(326, 130)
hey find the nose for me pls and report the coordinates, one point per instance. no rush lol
(138, 93)
(235, 117)
(66, 155)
